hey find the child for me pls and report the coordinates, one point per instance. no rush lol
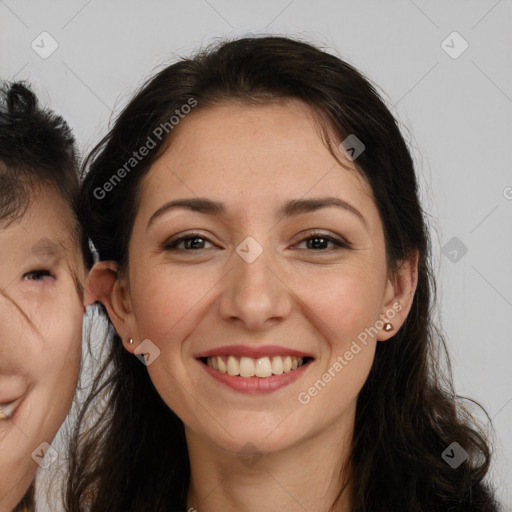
(43, 260)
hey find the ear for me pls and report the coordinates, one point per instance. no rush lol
(105, 285)
(399, 295)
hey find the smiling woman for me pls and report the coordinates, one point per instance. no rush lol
(269, 264)
(42, 273)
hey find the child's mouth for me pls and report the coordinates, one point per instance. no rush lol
(8, 409)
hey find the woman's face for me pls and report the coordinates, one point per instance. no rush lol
(252, 285)
(40, 336)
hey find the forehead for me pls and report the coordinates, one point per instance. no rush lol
(251, 154)
(46, 228)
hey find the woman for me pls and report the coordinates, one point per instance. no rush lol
(265, 256)
(43, 256)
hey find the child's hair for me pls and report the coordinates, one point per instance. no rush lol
(37, 153)
(134, 456)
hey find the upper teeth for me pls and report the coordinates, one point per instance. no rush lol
(248, 367)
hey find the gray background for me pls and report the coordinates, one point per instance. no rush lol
(455, 110)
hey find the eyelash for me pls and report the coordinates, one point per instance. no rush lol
(40, 272)
(172, 245)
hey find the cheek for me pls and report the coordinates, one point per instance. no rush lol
(47, 333)
(60, 351)
(344, 302)
(166, 303)
(50, 362)
(56, 374)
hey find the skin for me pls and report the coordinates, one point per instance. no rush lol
(40, 322)
(254, 159)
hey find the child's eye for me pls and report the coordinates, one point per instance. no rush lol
(37, 275)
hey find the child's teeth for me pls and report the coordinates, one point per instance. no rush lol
(249, 367)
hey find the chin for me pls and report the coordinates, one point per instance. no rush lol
(263, 435)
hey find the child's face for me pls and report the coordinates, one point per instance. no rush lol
(41, 316)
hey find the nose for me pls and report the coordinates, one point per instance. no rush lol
(255, 295)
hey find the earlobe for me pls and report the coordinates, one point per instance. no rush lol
(400, 293)
(129, 345)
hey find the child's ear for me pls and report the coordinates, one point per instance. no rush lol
(399, 295)
(104, 285)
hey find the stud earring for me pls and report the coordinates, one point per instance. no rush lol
(388, 326)
(130, 341)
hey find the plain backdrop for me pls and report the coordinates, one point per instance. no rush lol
(445, 70)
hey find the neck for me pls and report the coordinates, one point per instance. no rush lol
(306, 476)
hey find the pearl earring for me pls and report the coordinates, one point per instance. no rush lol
(130, 341)
(388, 326)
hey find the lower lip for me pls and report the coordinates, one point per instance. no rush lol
(256, 385)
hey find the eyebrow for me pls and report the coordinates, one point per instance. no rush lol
(291, 208)
(47, 249)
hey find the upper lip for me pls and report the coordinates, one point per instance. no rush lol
(252, 352)
(12, 398)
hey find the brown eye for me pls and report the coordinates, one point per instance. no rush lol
(318, 242)
(37, 275)
(193, 241)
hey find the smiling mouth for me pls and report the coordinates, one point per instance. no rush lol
(8, 410)
(261, 367)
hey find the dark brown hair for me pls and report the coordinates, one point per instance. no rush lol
(134, 457)
(37, 152)
(27, 503)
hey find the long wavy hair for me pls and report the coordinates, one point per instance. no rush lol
(132, 455)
